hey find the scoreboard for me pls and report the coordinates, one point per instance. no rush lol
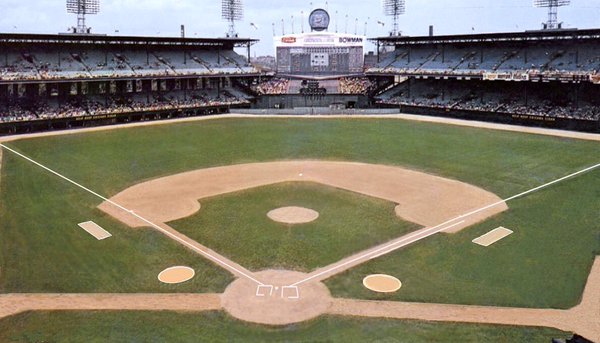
(319, 52)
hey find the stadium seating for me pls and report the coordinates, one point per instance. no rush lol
(479, 59)
(56, 63)
(502, 97)
(133, 103)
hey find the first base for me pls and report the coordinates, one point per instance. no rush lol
(95, 230)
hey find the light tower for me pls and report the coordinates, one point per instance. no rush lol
(552, 6)
(394, 8)
(82, 8)
(232, 11)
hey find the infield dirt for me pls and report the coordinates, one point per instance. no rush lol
(422, 198)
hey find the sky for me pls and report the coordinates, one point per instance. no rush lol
(203, 18)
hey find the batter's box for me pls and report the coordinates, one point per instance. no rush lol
(290, 292)
(264, 290)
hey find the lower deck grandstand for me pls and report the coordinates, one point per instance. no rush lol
(97, 105)
(575, 101)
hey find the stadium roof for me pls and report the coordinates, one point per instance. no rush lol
(538, 35)
(18, 38)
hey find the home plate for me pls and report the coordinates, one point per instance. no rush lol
(492, 236)
(95, 230)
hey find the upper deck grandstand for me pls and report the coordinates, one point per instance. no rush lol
(25, 57)
(562, 54)
(45, 77)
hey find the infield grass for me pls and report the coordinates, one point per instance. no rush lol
(236, 225)
(218, 327)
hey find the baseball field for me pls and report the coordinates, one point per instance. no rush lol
(197, 194)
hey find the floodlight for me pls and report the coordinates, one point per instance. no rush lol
(232, 11)
(82, 8)
(552, 6)
(394, 8)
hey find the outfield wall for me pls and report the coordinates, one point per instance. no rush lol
(287, 101)
(302, 111)
(43, 125)
(504, 118)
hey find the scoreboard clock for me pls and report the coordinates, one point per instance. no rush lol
(319, 20)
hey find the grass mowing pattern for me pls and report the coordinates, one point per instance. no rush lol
(236, 225)
(217, 327)
(505, 163)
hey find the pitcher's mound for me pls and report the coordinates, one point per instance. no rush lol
(293, 215)
(176, 275)
(382, 283)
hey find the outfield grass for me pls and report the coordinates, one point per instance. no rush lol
(236, 225)
(39, 259)
(217, 327)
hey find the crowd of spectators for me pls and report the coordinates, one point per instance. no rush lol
(273, 86)
(544, 62)
(544, 108)
(72, 109)
(355, 85)
(518, 75)
(32, 67)
(41, 75)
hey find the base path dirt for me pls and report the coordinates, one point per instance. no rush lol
(11, 304)
(424, 199)
(583, 319)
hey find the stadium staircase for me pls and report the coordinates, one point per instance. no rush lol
(202, 63)
(164, 62)
(80, 60)
(385, 86)
(507, 56)
(244, 87)
(396, 59)
(555, 56)
(123, 59)
(430, 58)
(467, 57)
(232, 61)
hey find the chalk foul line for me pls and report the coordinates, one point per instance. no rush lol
(418, 236)
(439, 228)
(217, 260)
